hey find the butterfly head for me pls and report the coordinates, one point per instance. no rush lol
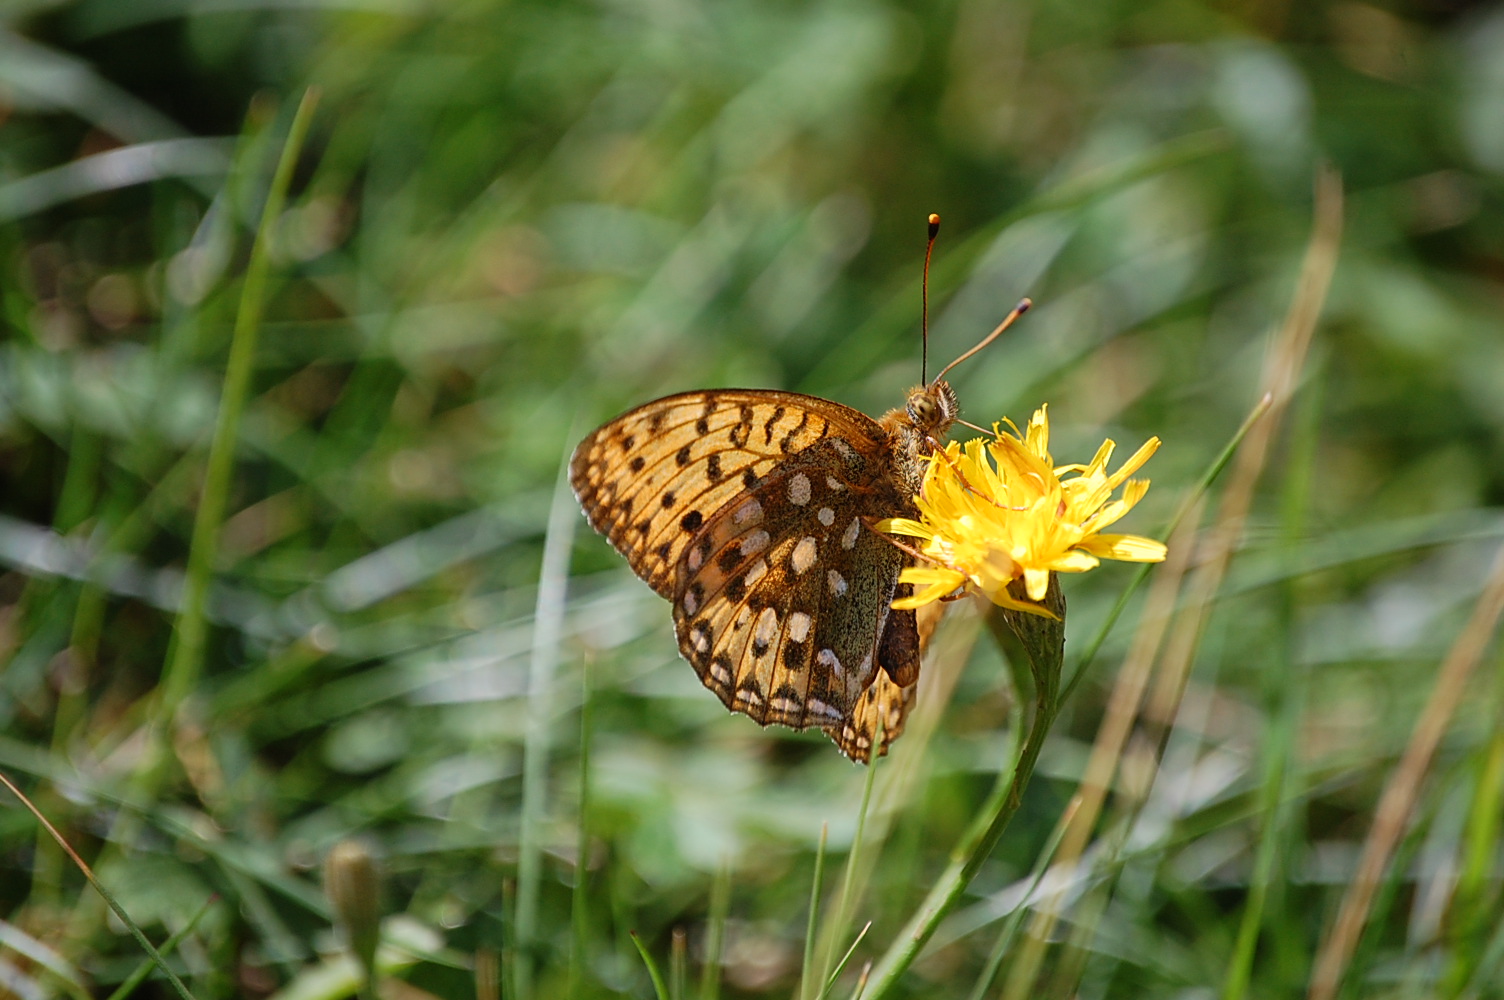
(932, 408)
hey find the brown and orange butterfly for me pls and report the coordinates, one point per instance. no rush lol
(752, 511)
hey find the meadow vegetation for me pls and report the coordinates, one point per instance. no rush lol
(292, 590)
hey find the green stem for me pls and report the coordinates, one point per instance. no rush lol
(1043, 643)
(185, 660)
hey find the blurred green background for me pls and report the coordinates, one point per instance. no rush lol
(513, 220)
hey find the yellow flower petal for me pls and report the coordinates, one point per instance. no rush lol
(995, 510)
(1126, 548)
(904, 526)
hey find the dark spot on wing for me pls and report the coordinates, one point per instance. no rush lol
(787, 440)
(736, 589)
(767, 430)
(692, 521)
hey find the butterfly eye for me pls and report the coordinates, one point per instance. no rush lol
(922, 410)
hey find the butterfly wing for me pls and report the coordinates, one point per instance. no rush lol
(880, 713)
(751, 512)
(649, 479)
(784, 594)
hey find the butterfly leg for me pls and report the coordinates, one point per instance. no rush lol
(900, 546)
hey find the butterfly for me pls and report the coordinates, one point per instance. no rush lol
(752, 511)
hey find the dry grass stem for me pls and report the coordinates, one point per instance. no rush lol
(1403, 790)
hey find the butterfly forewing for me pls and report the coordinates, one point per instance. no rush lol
(650, 478)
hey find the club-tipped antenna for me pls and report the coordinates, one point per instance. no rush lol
(924, 298)
(1018, 310)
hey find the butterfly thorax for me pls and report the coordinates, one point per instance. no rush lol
(915, 429)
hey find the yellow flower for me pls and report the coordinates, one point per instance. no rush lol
(994, 511)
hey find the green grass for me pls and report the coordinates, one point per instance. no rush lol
(285, 559)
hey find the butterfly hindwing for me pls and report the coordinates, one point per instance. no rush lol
(884, 707)
(784, 595)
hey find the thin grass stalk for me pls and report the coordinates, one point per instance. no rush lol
(156, 956)
(140, 972)
(548, 628)
(1122, 708)
(1489, 969)
(845, 902)
(1403, 788)
(715, 932)
(1281, 375)
(830, 982)
(813, 923)
(487, 975)
(1284, 692)
(507, 960)
(678, 964)
(185, 658)
(1469, 915)
(861, 981)
(660, 989)
(1008, 933)
(579, 908)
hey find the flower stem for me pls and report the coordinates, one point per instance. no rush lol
(1043, 643)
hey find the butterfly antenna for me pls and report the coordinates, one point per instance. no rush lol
(1018, 310)
(924, 299)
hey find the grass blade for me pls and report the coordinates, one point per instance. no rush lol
(579, 910)
(678, 964)
(830, 982)
(88, 873)
(139, 974)
(848, 877)
(813, 924)
(185, 658)
(659, 989)
(715, 933)
(1403, 789)
(548, 627)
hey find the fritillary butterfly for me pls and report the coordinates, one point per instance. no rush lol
(751, 510)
